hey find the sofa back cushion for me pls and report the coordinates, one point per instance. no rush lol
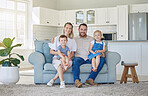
(42, 47)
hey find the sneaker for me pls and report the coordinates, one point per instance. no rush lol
(62, 84)
(50, 83)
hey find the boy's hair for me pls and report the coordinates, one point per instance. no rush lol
(83, 25)
(63, 36)
(98, 32)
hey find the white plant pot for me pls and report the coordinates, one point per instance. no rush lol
(9, 75)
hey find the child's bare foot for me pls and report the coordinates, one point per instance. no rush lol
(66, 68)
(94, 69)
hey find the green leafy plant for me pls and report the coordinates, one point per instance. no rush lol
(6, 52)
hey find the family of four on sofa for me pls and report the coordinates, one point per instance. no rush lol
(82, 49)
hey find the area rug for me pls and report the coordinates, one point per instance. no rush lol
(116, 89)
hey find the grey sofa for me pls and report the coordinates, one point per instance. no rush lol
(44, 70)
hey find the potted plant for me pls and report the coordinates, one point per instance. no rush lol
(9, 73)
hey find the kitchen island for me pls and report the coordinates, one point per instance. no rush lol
(131, 51)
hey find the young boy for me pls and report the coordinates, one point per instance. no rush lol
(63, 52)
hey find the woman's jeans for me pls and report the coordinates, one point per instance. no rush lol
(78, 61)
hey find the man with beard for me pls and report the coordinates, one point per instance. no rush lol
(81, 57)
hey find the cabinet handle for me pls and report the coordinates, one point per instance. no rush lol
(121, 35)
(47, 22)
(107, 21)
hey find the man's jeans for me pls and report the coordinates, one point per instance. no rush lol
(78, 61)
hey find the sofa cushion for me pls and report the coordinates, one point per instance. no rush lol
(42, 47)
(49, 67)
(46, 52)
(85, 68)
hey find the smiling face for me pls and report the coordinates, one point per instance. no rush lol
(63, 41)
(82, 31)
(67, 30)
(97, 36)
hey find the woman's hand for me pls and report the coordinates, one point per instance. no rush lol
(103, 54)
(52, 40)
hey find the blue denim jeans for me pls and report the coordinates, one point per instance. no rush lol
(78, 61)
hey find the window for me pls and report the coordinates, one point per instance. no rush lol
(13, 20)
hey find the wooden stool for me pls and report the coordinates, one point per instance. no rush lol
(125, 74)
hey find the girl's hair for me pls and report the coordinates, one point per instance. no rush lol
(71, 35)
(63, 36)
(98, 32)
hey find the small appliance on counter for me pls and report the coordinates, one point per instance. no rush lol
(109, 36)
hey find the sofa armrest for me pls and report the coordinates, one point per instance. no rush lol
(112, 59)
(36, 58)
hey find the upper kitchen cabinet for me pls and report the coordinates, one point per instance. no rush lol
(66, 16)
(136, 8)
(79, 17)
(122, 26)
(45, 16)
(90, 16)
(85, 16)
(106, 16)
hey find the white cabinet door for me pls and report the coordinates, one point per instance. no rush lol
(66, 16)
(112, 15)
(87, 16)
(45, 16)
(36, 15)
(144, 59)
(52, 17)
(70, 16)
(107, 16)
(122, 26)
(62, 18)
(101, 16)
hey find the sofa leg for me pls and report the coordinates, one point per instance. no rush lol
(37, 83)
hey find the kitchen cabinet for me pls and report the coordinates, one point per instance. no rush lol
(66, 16)
(131, 51)
(45, 16)
(122, 25)
(136, 8)
(85, 16)
(106, 16)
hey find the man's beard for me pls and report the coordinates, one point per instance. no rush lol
(82, 35)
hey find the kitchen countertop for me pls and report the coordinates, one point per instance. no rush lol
(127, 40)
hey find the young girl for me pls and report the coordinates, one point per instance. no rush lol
(64, 52)
(96, 48)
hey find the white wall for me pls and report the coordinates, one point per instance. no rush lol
(83, 4)
(51, 4)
